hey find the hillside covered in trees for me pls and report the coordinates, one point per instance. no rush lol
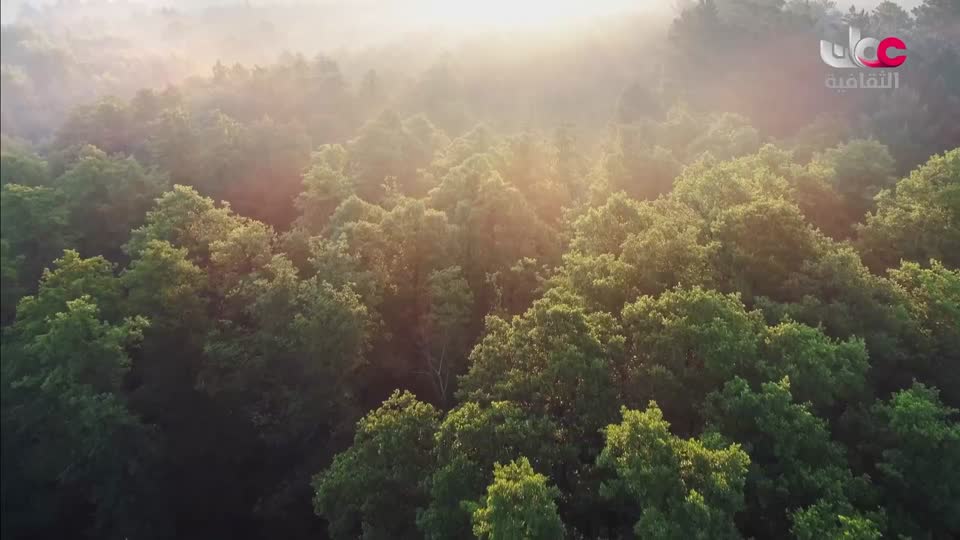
(645, 277)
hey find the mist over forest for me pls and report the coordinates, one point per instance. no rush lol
(505, 270)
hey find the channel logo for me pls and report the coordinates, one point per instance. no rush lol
(888, 52)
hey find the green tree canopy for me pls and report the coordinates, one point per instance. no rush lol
(917, 220)
(681, 488)
(519, 504)
(372, 490)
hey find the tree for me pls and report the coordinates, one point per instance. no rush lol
(23, 169)
(824, 521)
(559, 362)
(919, 461)
(822, 371)
(106, 198)
(861, 169)
(105, 124)
(603, 228)
(624, 249)
(837, 292)
(267, 181)
(686, 343)
(373, 489)
(10, 275)
(681, 488)
(936, 13)
(934, 302)
(471, 439)
(173, 143)
(325, 186)
(692, 33)
(237, 258)
(70, 444)
(163, 284)
(917, 220)
(793, 461)
(71, 278)
(557, 358)
(527, 163)
(445, 331)
(749, 208)
(858, 19)
(711, 187)
(603, 281)
(195, 475)
(889, 19)
(642, 172)
(760, 243)
(497, 226)
(519, 504)
(673, 249)
(727, 136)
(387, 148)
(34, 224)
(391, 256)
(185, 219)
(287, 357)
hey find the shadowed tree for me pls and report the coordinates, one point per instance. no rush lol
(372, 489)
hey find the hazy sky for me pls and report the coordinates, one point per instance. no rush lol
(477, 12)
(483, 12)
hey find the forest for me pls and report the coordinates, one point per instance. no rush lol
(636, 274)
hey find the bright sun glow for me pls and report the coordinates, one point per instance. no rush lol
(521, 13)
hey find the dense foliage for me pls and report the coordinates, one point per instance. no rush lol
(271, 303)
